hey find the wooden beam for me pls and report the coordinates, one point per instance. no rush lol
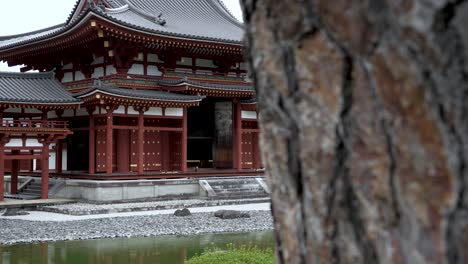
(22, 157)
(140, 140)
(184, 142)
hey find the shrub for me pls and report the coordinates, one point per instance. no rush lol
(233, 255)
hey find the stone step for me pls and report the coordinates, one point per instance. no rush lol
(216, 187)
(23, 196)
(31, 191)
(246, 190)
(240, 196)
(224, 182)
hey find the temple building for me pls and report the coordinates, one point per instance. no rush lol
(129, 89)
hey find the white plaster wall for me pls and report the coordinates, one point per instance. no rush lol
(32, 142)
(98, 60)
(120, 110)
(97, 111)
(53, 158)
(185, 61)
(64, 157)
(68, 66)
(79, 76)
(32, 111)
(67, 77)
(137, 69)
(248, 114)
(110, 69)
(153, 71)
(139, 57)
(13, 110)
(205, 63)
(81, 112)
(15, 142)
(203, 72)
(98, 72)
(132, 111)
(68, 113)
(153, 58)
(174, 112)
(51, 114)
(157, 111)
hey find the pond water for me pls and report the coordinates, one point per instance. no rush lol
(161, 249)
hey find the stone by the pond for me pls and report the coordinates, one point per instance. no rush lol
(182, 212)
(231, 214)
(14, 212)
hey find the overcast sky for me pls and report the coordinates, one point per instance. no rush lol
(28, 15)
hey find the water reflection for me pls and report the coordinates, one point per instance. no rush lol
(162, 249)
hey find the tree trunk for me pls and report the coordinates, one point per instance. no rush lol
(364, 119)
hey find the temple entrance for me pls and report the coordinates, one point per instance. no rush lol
(77, 151)
(200, 131)
(210, 135)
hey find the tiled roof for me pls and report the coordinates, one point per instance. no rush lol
(33, 88)
(138, 94)
(214, 86)
(252, 100)
(200, 19)
(206, 19)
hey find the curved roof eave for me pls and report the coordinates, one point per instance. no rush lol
(86, 15)
(112, 92)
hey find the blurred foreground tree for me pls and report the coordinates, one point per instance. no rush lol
(364, 118)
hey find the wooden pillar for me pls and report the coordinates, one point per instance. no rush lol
(2, 169)
(92, 142)
(14, 173)
(140, 140)
(237, 136)
(122, 150)
(59, 146)
(2, 158)
(183, 144)
(45, 170)
(31, 162)
(255, 151)
(166, 151)
(109, 140)
(59, 156)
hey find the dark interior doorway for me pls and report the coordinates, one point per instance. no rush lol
(200, 125)
(77, 151)
(210, 134)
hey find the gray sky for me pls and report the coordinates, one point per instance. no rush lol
(28, 15)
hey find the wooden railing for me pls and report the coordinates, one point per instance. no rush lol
(34, 124)
(152, 80)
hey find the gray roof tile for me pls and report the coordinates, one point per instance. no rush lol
(214, 86)
(33, 88)
(139, 94)
(200, 19)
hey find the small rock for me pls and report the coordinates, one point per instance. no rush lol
(182, 212)
(231, 214)
(14, 212)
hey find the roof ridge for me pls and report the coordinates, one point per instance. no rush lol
(32, 32)
(219, 5)
(74, 10)
(116, 10)
(153, 18)
(29, 75)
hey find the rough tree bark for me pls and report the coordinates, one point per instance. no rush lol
(364, 118)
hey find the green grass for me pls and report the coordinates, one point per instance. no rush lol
(233, 255)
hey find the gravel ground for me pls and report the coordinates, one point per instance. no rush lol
(21, 231)
(86, 208)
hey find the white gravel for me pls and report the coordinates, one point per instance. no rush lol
(86, 208)
(45, 226)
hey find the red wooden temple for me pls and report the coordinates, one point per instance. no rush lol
(129, 89)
